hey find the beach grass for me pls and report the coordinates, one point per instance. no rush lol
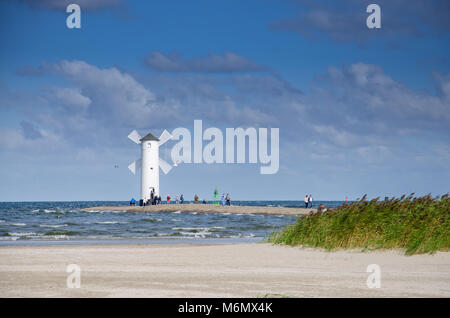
(416, 224)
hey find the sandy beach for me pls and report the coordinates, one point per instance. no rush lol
(207, 208)
(233, 270)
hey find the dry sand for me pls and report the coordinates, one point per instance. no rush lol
(206, 208)
(235, 270)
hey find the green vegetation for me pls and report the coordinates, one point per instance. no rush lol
(418, 225)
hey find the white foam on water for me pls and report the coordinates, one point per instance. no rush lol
(21, 234)
(111, 222)
(196, 235)
(17, 224)
(178, 212)
(150, 220)
(163, 234)
(2, 221)
(201, 232)
(243, 236)
(196, 228)
(9, 238)
(188, 228)
(56, 237)
(52, 225)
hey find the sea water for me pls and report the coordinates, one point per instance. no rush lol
(35, 223)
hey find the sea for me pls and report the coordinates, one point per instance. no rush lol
(64, 223)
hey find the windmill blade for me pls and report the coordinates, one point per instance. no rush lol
(135, 137)
(165, 136)
(165, 166)
(135, 166)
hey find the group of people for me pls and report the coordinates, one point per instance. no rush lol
(225, 199)
(156, 199)
(308, 201)
(196, 200)
(178, 199)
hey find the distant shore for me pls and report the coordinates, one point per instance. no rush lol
(207, 208)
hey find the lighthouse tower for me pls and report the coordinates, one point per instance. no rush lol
(150, 162)
(150, 166)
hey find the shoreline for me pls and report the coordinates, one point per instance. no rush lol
(206, 208)
(132, 242)
(227, 270)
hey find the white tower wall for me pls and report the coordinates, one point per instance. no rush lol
(150, 168)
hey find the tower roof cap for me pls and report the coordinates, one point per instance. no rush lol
(149, 136)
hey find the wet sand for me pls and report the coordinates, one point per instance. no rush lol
(234, 270)
(206, 208)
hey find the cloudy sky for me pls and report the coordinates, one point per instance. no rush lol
(359, 111)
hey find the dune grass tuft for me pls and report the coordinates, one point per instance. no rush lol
(416, 224)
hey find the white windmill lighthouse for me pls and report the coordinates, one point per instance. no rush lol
(149, 163)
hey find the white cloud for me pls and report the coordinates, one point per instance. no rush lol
(360, 113)
(366, 89)
(345, 22)
(229, 62)
(112, 94)
(71, 97)
(16, 140)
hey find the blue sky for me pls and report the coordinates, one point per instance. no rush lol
(359, 111)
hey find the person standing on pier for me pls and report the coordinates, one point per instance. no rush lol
(310, 201)
(306, 201)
